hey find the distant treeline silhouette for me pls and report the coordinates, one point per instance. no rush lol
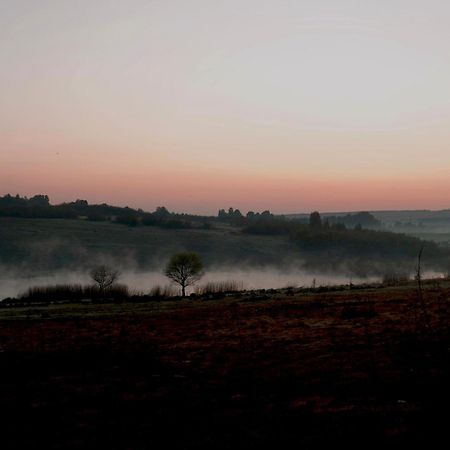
(331, 241)
(39, 206)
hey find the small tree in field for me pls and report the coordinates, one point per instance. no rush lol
(105, 277)
(184, 269)
(315, 221)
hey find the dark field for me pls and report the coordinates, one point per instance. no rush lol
(359, 368)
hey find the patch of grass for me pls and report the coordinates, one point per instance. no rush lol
(395, 279)
(72, 292)
(163, 291)
(219, 287)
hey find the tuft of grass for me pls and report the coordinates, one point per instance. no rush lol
(220, 287)
(163, 291)
(53, 293)
(395, 279)
(72, 292)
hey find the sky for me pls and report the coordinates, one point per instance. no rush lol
(287, 105)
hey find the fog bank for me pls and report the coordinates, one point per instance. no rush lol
(11, 284)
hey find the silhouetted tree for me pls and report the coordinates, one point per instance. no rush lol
(81, 203)
(39, 200)
(184, 269)
(105, 277)
(161, 212)
(266, 214)
(315, 221)
(222, 214)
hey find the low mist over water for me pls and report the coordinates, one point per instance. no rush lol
(12, 284)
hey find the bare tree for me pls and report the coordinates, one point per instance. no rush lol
(184, 269)
(105, 277)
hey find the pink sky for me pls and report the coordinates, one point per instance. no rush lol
(289, 106)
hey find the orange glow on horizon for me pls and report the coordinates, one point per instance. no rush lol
(205, 193)
(289, 106)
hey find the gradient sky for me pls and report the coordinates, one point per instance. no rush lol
(289, 105)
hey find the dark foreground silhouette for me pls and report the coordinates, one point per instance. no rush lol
(363, 369)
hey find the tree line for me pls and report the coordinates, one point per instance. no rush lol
(264, 222)
(39, 206)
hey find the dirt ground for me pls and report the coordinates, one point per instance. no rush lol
(361, 368)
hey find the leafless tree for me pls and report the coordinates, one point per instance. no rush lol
(105, 277)
(184, 269)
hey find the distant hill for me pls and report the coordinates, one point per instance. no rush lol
(29, 246)
(387, 216)
(34, 234)
(415, 222)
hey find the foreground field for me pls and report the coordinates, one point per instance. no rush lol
(362, 368)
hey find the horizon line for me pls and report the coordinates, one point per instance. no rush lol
(354, 211)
